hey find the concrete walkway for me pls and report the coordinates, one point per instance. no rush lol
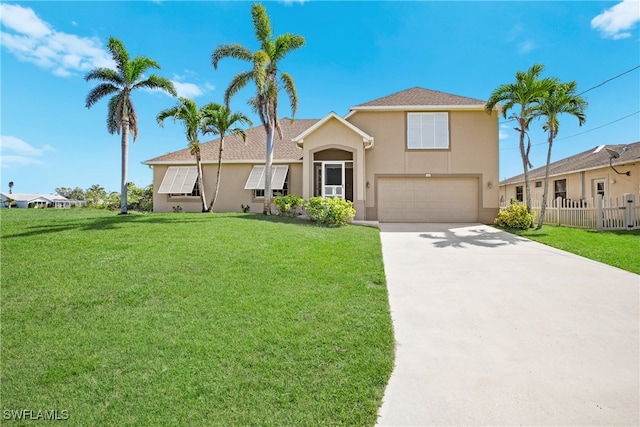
(493, 329)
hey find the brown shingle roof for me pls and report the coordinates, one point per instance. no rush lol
(253, 150)
(583, 161)
(418, 96)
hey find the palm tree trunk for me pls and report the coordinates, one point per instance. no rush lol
(545, 194)
(200, 182)
(125, 160)
(215, 195)
(267, 169)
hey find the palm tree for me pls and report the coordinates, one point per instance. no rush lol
(121, 117)
(10, 186)
(221, 121)
(562, 99)
(193, 119)
(264, 73)
(528, 92)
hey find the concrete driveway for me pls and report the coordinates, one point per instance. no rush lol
(493, 329)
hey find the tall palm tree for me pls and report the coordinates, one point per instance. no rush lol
(10, 186)
(562, 99)
(264, 73)
(221, 121)
(121, 116)
(528, 91)
(193, 120)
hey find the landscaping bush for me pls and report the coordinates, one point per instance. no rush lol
(288, 205)
(329, 211)
(515, 216)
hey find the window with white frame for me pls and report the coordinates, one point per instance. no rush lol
(427, 131)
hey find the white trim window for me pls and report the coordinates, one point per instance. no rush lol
(427, 131)
(279, 181)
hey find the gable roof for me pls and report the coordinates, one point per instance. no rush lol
(365, 137)
(236, 151)
(418, 98)
(591, 159)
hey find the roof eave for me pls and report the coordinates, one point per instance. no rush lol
(477, 107)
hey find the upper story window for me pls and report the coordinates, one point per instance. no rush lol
(428, 131)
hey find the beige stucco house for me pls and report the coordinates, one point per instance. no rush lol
(595, 173)
(414, 156)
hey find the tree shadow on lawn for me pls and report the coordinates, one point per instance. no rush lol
(104, 223)
(449, 238)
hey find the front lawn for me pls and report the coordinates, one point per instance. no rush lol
(192, 319)
(618, 248)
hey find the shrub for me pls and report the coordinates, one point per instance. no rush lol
(329, 211)
(245, 209)
(288, 205)
(176, 209)
(515, 216)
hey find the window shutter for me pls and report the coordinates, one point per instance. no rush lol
(256, 179)
(178, 180)
(278, 176)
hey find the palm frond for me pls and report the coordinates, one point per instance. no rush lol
(234, 50)
(157, 83)
(238, 82)
(261, 23)
(286, 43)
(133, 119)
(99, 92)
(138, 66)
(261, 61)
(106, 75)
(119, 54)
(290, 89)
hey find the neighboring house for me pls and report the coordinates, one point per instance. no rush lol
(582, 177)
(414, 156)
(25, 200)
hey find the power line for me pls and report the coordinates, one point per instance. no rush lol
(580, 133)
(594, 87)
(608, 80)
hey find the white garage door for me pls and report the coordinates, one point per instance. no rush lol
(428, 199)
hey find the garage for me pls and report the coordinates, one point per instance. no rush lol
(428, 199)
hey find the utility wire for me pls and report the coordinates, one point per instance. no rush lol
(580, 133)
(594, 87)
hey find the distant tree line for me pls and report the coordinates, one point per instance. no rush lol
(138, 198)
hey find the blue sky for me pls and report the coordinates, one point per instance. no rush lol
(355, 52)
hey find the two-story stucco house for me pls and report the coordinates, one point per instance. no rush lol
(414, 156)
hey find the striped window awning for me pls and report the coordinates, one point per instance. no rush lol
(178, 180)
(256, 177)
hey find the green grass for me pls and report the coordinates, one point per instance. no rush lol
(617, 248)
(192, 319)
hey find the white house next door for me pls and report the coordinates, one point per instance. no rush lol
(333, 179)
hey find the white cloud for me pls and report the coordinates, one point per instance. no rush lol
(21, 153)
(187, 90)
(7, 162)
(526, 46)
(616, 21)
(32, 40)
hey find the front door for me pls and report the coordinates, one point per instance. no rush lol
(333, 179)
(599, 189)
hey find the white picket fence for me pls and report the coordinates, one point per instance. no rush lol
(595, 214)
